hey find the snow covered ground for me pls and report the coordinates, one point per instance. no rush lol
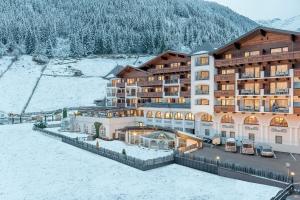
(117, 146)
(16, 84)
(4, 62)
(35, 166)
(58, 92)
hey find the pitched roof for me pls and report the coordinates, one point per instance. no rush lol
(255, 30)
(130, 67)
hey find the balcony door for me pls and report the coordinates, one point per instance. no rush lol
(275, 86)
(253, 71)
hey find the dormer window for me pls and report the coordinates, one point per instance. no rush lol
(159, 66)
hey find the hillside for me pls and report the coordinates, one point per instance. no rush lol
(292, 23)
(83, 27)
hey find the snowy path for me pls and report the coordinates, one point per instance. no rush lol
(34, 166)
(5, 65)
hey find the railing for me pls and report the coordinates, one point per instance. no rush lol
(170, 70)
(282, 195)
(224, 108)
(199, 78)
(120, 84)
(297, 72)
(225, 77)
(200, 92)
(110, 85)
(249, 109)
(277, 74)
(219, 93)
(168, 105)
(248, 92)
(257, 59)
(131, 94)
(185, 81)
(150, 83)
(278, 110)
(297, 85)
(185, 93)
(150, 94)
(171, 94)
(278, 91)
(248, 75)
(171, 81)
(110, 94)
(121, 94)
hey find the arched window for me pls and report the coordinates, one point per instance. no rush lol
(158, 115)
(178, 116)
(227, 119)
(168, 115)
(189, 116)
(206, 118)
(149, 114)
(279, 121)
(251, 120)
(102, 131)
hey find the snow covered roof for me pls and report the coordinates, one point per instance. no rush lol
(160, 135)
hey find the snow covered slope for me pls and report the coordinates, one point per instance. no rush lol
(35, 166)
(4, 62)
(292, 23)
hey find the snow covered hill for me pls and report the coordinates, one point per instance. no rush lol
(292, 23)
(58, 87)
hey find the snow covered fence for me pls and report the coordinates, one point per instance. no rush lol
(127, 160)
(232, 170)
(122, 158)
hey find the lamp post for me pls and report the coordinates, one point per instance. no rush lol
(218, 159)
(287, 165)
(292, 176)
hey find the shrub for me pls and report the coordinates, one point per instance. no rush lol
(124, 152)
(97, 126)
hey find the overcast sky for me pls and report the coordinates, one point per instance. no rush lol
(263, 9)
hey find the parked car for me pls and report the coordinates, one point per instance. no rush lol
(230, 145)
(216, 140)
(266, 151)
(207, 140)
(247, 147)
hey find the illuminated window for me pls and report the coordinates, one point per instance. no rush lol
(149, 114)
(279, 50)
(251, 53)
(168, 115)
(206, 118)
(174, 65)
(227, 119)
(178, 116)
(189, 116)
(151, 78)
(202, 102)
(227, 71)
(228, 56)
(161, 78)
(159, 66)
(203, 60)
(202, 75)
(279, 121)
(227, 87)
(251, 120)
(158, 115)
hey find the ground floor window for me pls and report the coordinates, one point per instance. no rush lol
(232, 134)
(278, 139)
(251, 136)
(206, 132)
(190, 130)
(178, 128)
(223, 134)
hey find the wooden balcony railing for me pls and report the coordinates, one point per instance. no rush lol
(185, 93)
(150, 94)
(185, 81)
(170, 70)
(257, 59)
(120, 94)
(297, 72)
(150, 83)
(297, 92)
(228, 108)
(226, 93)
(225, 77)
(296, 110)
(120, 84)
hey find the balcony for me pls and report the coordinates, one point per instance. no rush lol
(201, 92)
(171, 82)
(278, 91)
(224, 77)
(185, 81)
(199, 78)
(297, 72)
(120, 85)
(277, 74)
(168, 105)
(296, 107)
(150, 94)
(284, 109)
(170, 70)
(226, 93)
(121, 105)
(185, 93)
(248, 109)
(131, 94)
(224, 108)
(121, 94)
(150, 83)
(258, 59)
(248, 92)
(111, 94)
(171, 94)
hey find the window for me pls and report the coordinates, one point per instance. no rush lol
(175, 65)
(227, 71)
(251, 53)
(149, 114)
(278, 139)
(202, 102)
(226, 102)
(151, 78)
(206, 118)
(158, 115)
(228, 56)
(203, 60)
(251, 72)
(277, 86)
(279, 121)
(251, 120)
(279, 50)
(202, 89)
(130, 81)
(159, 66)
(158, 89)
(279, 70)
(232, 134)
(161, 78)
(227, 119)
(168, 115)
(102, 131)
(227, 87)
(178, 116)
(206, 132)
(252, 136)
(223, 134)
(189, 116)
(202, 75)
